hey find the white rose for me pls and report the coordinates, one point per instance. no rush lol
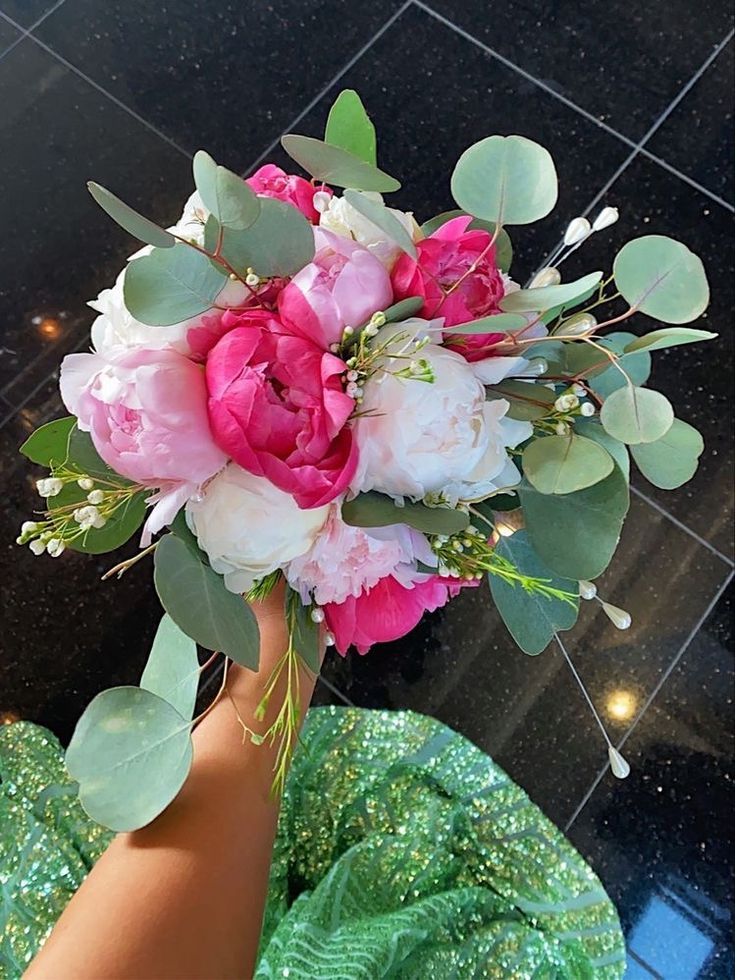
(342, 219)
(249, 528)
(417, 437)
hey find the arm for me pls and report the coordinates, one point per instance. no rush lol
(184, 896)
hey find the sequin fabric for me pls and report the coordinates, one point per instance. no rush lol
(402, 851)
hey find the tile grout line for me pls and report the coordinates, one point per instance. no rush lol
(25, 31)
(320, 95)
(654, 693)
(335, 690)
(688, 180)
(108, 95)
(680, 524)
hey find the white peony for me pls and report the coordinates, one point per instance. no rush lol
(417, 437)
(342, 219)
(249, 528)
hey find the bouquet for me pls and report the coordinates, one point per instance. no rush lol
(297, 384)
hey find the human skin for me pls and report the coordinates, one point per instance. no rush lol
(184, 897)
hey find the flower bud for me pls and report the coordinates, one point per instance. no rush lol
(85, 483)
(577, 325)
(55, 547)
(565, 403)
(37, 547)
(321, 201)
(28, 527)
(96, 496)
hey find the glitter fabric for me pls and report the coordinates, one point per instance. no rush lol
(402, 851)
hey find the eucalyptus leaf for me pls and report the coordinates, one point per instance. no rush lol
(82, 457)
(172, 670)
(226, 195)
(171, 285)
(576, 534)
(380, 216)
(506, 179)
(135, 224)
(637, 365)
(503, 245)
(532, 619)
(661, 277)
(497, 323)
(337, 166)
(279, 243)
(349, 126)
(181, 529)
(119, 527)
(376, 510)
(130, 753)
(547, 297)
(403, 309)
(671, 337)
(672, 460)
(48, 445)
(634, 415)
(563, 464)
(306, 635)
(590, 428)
(528, 402)
(197, 600)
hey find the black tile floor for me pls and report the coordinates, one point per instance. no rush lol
(636, 108)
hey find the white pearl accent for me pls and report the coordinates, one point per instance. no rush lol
(546, 277)
(619, 766)
(577, 230)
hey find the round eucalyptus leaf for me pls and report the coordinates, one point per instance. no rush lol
(279, 243)
(506, 179)
(591, 429)
(503, 245)
(671, 460)
(130, 753)
(637, 365)
(225, 194)
(171, 285)
(671, 337)
(661, 277)
(337, 166)
(172, 669)
(527, 402)
(576, 534)
(119, 527)
(550, 297)
(563, 464)
(135, 224)
(532, 619)
(379, 215)
(634, 415)
(349, 126)
(377, 510)
(49, 443)
(200, 604)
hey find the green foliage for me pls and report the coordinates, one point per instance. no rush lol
(172, 670)
(225, 194)
(661, 277)
(506, 179)
(403, 309)
(279, 243)
(591, 429)
(135, 224)
(497, 323)
(563, 464)
(48, 445)
(634, 415)
(531, 618)
(528, 402)
(306, 633)
(180, 528)
(130, 753)
(380, 216)
(637, 365)
(121, 525)
(503, 245)
(197, 600)
(550, 297)
(576, 534)
(336, 166)
(671, 460)
(171, 285)
(349, 127)
(376, 510)
(671, 337)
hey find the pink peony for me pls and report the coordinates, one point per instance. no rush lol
(385, 612)
(277, 407)
(271, 181)
(343, 286)
(146, 412)
(445, 258)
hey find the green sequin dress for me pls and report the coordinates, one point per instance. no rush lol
(402, 851)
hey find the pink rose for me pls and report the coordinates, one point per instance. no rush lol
(278, 408)
(343, 286)
(385, 612)
(271, 181)
(444, 259)
(146, 412)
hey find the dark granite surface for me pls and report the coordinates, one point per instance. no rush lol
(184, 74)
